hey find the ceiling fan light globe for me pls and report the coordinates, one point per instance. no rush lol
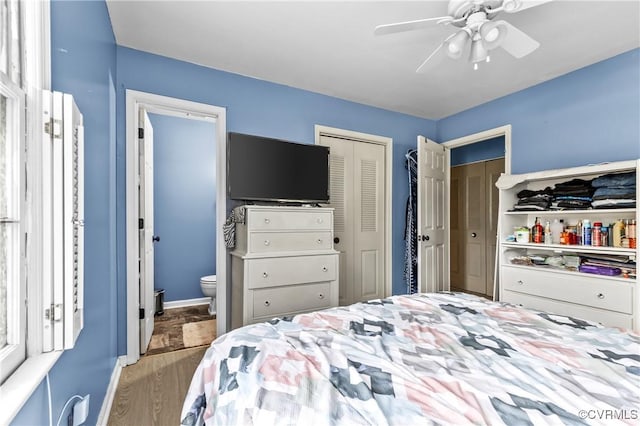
(456, 44)
(492, 34)
(478, 52)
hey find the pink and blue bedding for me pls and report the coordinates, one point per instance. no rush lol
(439, 358)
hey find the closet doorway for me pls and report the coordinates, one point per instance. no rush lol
(473, 224)
(477, 161)
(360, 194)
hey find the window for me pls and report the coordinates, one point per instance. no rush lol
(12, 146)
(41, 222)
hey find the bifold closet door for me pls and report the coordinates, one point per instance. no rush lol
(357, 194)
(474, 214)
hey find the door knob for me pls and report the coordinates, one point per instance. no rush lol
(155, 238)
(336, 240)
(473, 235)
(425, 238)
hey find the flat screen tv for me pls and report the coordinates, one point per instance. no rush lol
(266, 169)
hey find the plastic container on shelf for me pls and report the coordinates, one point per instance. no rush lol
(586, 232)
(618, 233)
(556, 229)
(596, 234)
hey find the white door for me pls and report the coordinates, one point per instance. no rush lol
(433, 223)
(357, 177)
(147, 302)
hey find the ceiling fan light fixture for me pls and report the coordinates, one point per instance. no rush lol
(493, 33)
(478, 52)
(456, 44)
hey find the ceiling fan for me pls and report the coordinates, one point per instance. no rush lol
(478, 31)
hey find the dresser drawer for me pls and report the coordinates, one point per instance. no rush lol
(604, 317)
(584, 290)
(278, 242)
(272, 220)
(278, 301)
(278, 271)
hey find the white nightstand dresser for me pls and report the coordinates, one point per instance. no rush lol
(283, 264)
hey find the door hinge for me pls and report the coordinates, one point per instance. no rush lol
(141, 313)
(140, 223)
(140, 133)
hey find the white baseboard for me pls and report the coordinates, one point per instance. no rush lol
(103, 417)
(187, 302)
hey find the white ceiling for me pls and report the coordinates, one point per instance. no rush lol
(328, 47)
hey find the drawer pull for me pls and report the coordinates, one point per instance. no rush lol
(267, 220)
(319, 241)
(319, 220)
(600, 296)
(320, 296)
(265, 275)
(325, 269)
(267, 242)
(267, 303)
(519, 282)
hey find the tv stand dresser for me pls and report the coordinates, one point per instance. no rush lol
(283, 263)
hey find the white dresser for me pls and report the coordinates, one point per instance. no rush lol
(610, 300)
(283, 264)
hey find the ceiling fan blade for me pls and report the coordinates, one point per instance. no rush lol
(517, 43)
(409, 25)
(526, 4)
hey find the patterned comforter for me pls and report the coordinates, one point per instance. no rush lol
(439, 358)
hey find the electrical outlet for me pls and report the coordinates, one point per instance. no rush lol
(80, 411)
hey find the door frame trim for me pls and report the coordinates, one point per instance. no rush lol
(387, 142)
(482, 136)
(180, 108)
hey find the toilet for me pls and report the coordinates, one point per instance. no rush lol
(208, 286)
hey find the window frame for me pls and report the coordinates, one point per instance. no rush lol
(36, 76)
(14, 353)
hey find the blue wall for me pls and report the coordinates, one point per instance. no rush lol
(83, 64)
(587, 116)
(479, 151)
(261, 108)
(184, 157)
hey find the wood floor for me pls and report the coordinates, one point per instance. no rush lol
(151, 392)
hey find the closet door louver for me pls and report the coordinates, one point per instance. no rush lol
(63, 234)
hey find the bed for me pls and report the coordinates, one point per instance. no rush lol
(437, 358)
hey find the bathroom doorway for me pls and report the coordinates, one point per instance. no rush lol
(168, 227)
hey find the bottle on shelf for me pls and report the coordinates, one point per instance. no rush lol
(618, 233)
(556, 229)
(537, 232)
(631, 234)
(604, 236)
(548, 239)
(596, 234)
(586, 232)
(579, 233)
